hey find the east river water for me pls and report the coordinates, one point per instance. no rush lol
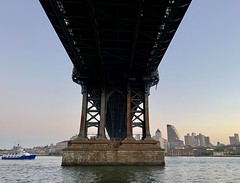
(177, 170)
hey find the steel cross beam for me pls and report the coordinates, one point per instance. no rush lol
(139, 12)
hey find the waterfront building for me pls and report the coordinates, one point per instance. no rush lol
(59, 147)
(172, 133)
(197, 140)
(234, 139)
(188, 140)
(158, 137)
(201, 140)
(218, 153)
(173, 137)
(207, 142)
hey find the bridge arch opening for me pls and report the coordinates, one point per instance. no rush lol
(116, 115)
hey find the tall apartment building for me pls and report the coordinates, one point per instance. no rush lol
(173, 137)
(188, 140)
(207, 142)
(158, 137)
(201, 140)
(197, 140)
(234, 139)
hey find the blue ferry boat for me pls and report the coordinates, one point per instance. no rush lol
(18, 153)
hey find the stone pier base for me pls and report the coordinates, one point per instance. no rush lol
(106, 152)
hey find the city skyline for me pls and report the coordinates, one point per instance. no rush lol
(198, 88)
(232, 140)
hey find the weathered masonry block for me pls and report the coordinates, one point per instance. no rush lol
(127, 152)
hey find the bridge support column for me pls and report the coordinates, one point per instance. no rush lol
(129, 115)
(146, 128)
(83, 128)
(101, 128)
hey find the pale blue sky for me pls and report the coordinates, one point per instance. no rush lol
(199, 76)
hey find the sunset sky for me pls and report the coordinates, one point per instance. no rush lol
(199, 88)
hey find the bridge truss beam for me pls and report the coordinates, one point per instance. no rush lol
(129, 106)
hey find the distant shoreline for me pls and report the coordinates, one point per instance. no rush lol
(206, 156)
(41, 155)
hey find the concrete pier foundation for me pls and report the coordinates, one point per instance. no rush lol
(108, 152)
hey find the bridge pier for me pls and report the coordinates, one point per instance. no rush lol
(107, 152)
(115, 112)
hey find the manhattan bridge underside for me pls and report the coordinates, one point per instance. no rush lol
(116, 47)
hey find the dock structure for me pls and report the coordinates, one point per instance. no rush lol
(116, 48)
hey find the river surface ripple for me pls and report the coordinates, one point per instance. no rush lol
(177, 170)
